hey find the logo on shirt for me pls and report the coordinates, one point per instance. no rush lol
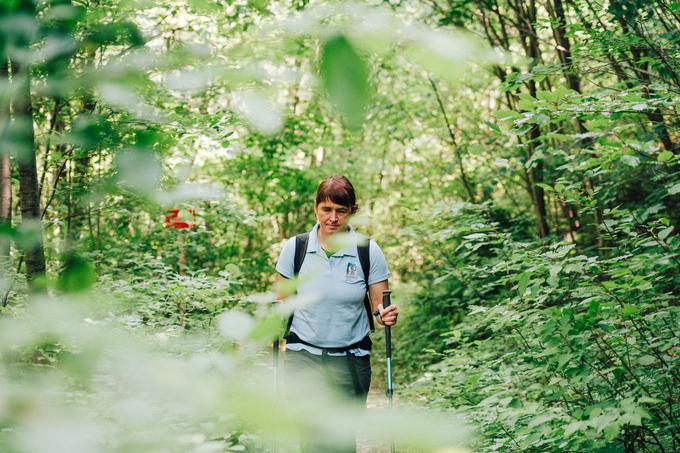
(351, 272)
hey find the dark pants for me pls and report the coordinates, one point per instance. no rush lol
(349, 376)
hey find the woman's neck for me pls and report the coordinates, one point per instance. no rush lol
(326, 240)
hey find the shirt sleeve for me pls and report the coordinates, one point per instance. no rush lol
(285, 265)
(379, 271)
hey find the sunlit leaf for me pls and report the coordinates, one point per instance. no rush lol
(259, 111)
(235, 325)
(646, 360)
(663, 234)
(345, 79)
(139, 170)
(664, 156)
(630, 160)
(674, 189)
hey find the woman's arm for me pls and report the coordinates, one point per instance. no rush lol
(281, 283)
(388, 317)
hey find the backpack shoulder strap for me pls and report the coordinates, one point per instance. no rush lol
(301, 241)
(365, 260)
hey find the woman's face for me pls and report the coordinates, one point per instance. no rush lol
(332, 217)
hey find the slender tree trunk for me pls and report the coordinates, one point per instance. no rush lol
(81, 170)
(5, 201)
(463, 176)
(563, 45)
(79, 208)
(5, 189)
(5, 165)
(28, 177)
(526, 17)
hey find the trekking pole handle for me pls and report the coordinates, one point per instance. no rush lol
(386, 301)
(388, 346)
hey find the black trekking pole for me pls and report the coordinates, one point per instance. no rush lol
(388, 349)
(275, 358)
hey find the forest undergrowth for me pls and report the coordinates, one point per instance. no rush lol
(517, 161)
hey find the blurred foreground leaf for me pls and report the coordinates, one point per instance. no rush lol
(77, 274)
(345, 79)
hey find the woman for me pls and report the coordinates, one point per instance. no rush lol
(328, 339)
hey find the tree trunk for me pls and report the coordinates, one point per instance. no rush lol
(563, 45)
(81, 169)
(5, 189)
(81, 165)
(526, 17)
(5, 166)
(5, 202)
(456, 150)
(28, 177)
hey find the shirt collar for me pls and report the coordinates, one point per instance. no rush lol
(314, 246)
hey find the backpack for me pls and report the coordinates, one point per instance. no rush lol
(301, 241)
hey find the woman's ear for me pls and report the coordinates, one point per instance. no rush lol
(354, 209)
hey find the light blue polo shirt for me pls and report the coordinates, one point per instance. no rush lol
(338, 317)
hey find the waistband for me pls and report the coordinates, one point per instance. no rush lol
(365, 344)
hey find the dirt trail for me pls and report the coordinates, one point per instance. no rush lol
(376, 400)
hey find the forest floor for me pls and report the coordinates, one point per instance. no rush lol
(376, 400)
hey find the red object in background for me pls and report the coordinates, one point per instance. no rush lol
(173, 219)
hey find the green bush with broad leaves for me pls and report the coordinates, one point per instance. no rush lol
(545, 346)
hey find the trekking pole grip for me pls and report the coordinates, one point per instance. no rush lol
(386, 301)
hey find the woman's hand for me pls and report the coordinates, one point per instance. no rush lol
(388, 316)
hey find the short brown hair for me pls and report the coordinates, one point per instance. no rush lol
(339, 190)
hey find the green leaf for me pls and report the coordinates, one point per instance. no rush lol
(116, 33)
(506, 115)
(674, 189)
(611, 431)
(233, 270)
(139, 169)
(208, 7)
(664, 156)
(544, 96)
(235, 325)
(561, 92)
(7, 231)
(630, 310)
(554, 272)
(77, 274)
(267, 327)
(572, 427)
(562, 359)
(515, 403)
(345, 79)
(523, 282)
(666, 232)
(526, 104)
(630, 160)
(646, 360)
